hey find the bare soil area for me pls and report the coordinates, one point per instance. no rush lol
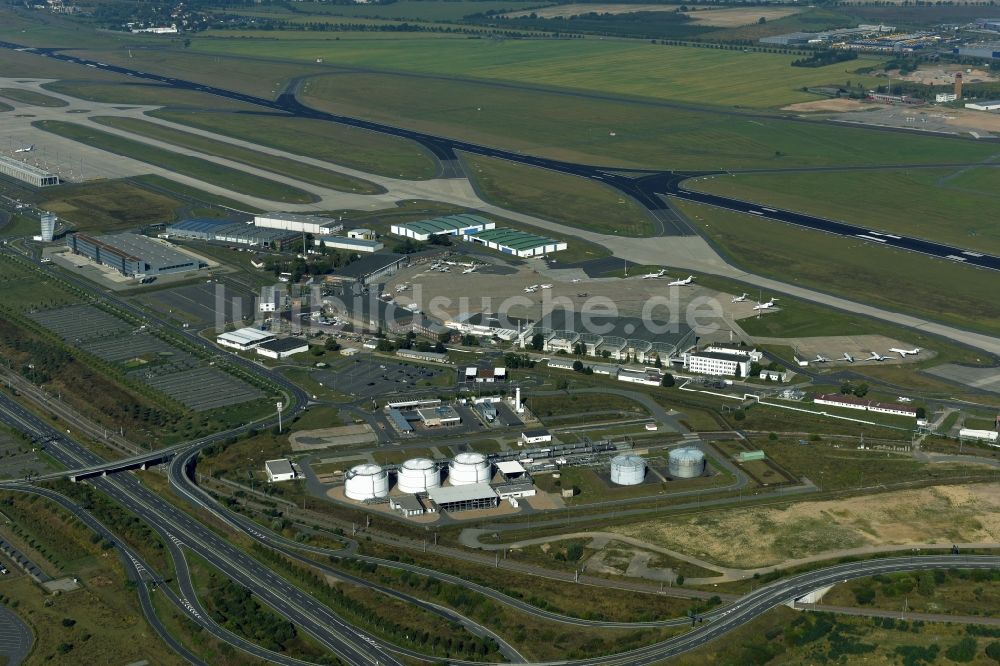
(944, 75)
(767, 536)
(738, 16)
(835, 105)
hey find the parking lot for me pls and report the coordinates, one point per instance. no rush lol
(17, 458)
(366, 377)
(147, 358)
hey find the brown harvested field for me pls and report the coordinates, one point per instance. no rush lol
(831, 105)
(566, 11)
(762, 537)
(737, 16)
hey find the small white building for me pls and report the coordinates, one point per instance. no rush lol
(945, 97)
(306, 224)
(979, 435)
(244, 338)
(363, 234)
(536, 437)
(648, 376)
(279, 470)
(272, 299)
(774, 375)
(349, 244)
(282, 348)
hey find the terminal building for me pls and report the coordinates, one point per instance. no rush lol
(27, 173)
(302, 224)
(132, 254)
(451, 225)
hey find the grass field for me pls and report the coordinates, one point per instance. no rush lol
(626, 67)
(896, 279)
(114, 205)
(940, 205)
(31, 97)
(576, 126)
(573, 201)
(232, 179)
(429, 10)
(214, 205)
(281, 165)
(941, 591)
(366, 151)
(153, 94)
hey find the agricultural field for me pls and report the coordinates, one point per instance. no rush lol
(280, 165)
(232, 179)
(109, 206)
(942, 205)
(569, 200)
(895, 279)
(762, 537)
(420, 10)
(348, 146)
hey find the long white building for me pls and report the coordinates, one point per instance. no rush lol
(714, 363)
(305, 224)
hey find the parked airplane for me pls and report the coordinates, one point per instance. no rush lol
(469, 270)
(739, 299)
(765, 306)
(546, 286)
(875, 356)
(531, 290)
(903, 398)
(653, 276)
(847, 357)
(25, 150)
(575, 280)
(820, 359)
(905, 352)
(681, 283)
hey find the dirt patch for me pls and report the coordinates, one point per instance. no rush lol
(763, 537)
(736, 17)
(836, 105)
(945, 75)
(972, 120)
(307, 440)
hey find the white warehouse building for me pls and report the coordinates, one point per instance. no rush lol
(306, 224)
(244, 338)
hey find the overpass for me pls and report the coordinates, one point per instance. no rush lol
(135, 462)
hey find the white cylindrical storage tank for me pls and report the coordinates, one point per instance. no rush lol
(418, 475)
(367, 481)
(469, 468)
(628, 470)
(686, 462)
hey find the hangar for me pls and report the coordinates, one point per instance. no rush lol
(517, 243)
(451, 225)
(132, 254)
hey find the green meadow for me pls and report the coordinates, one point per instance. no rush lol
(944, 205)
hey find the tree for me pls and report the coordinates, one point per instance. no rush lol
(921, 412)
(739, 373)
(754, 369)
(538, 342)
(963, 651)
(668, 380)
(579, 349)
(993, 651)
(331, 344)
(658, 363)
(578, 366)
(762, 20)
(861, 389)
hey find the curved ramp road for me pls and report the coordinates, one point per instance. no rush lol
(649, 189)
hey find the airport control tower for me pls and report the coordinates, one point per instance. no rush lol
(48, 221)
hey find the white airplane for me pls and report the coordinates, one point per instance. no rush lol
(847, 357)
(469, 270)
(530, 290)
(821, 359)
(681, 283)
(653, 276)
(739, 299)
(765, 306)
(903, 398)
(906, 352)
(25, 150)
(875, 356)
(575, 280)
(546, 286)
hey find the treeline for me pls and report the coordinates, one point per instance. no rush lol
(824, 58)
(270, 25)
(235, 608)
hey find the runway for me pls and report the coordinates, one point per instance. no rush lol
(651, 189)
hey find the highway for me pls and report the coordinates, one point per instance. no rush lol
(649, 188)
